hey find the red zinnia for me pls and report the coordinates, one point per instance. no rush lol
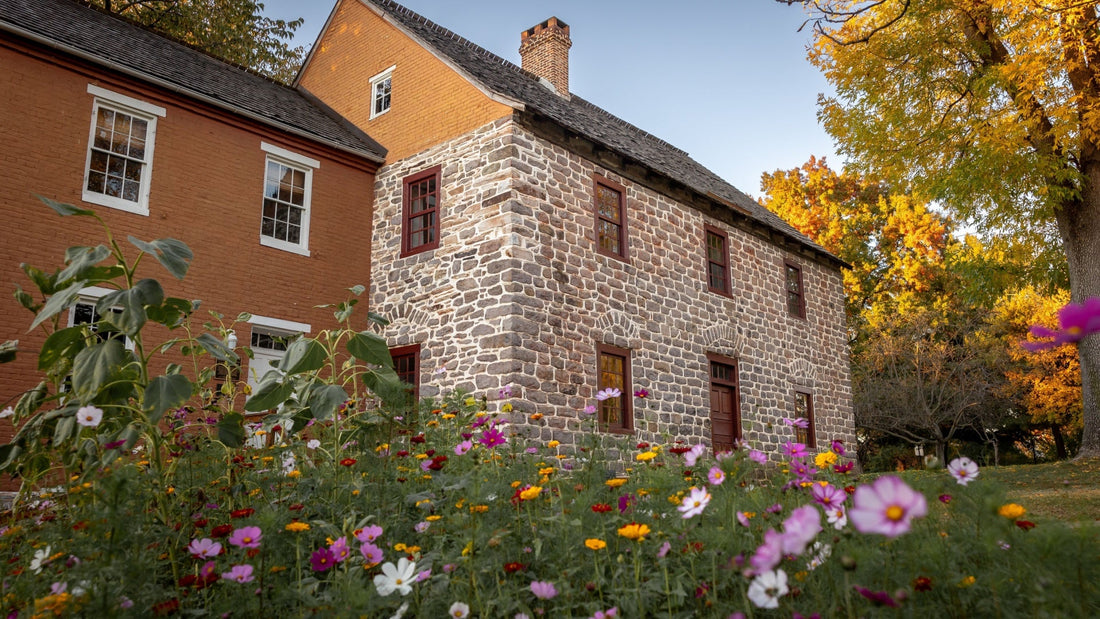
(242, 513)
(167, 607)
(923, 583)
(514, 567)
(601, 508)
(221, 530)
(437, 463)
(419, 438)
(348, 461)
(1025, 524)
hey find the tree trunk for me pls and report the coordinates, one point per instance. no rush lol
(1059, 442)
(1079, 224)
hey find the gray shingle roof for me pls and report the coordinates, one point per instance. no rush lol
(133, 50)
(586, 119)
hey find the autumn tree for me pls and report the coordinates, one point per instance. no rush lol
(894, 242)
(233, 30)
(989, 106)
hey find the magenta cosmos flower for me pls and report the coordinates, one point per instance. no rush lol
(369, 534)
(492, 437)
(371, 554)
(964, 470)
(543, 590)
(340, 549)
(887, 507)
(828, 495)
(322, 560)
(715, 476)
(246, 537)
(1077, 321)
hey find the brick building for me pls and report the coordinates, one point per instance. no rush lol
(270, 188)
(523, 236)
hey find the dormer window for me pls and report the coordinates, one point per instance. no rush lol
(380, 87)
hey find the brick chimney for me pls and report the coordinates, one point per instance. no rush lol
(544, 51)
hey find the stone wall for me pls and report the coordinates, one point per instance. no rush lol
(517, 294)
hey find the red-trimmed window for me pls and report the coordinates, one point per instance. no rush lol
(796, 298)
(610, 209)
(616, 413)
(804, 409)
(406, 362)
(420, 218)
(718, 261)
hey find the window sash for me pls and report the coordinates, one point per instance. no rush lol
(613, 371)
(795, 299)
(718, 271)
(804, 409)
(406, 363)
(420, 217)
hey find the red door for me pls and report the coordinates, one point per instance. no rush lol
(725, 420)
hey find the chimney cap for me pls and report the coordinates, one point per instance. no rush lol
(551, 24)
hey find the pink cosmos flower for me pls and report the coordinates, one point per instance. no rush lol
(758, 457)
(802, 471)
(208, 570)
(828, 495)
(371, 553)
(606, 614)
(794, 450)
(769, 554)
(694, 503)
(543, 590)
(463, 447)
(204, 548)
(887, 507)
(641, 393)
(964, 470)
(880, 598)
(505, 392)
(239, 573)
(743, 518)
(422, 526)
(1077, 321)
(693, 455)
(663, 550)
(797, 422)
(800, 528)
(590, 410)
(369, 534)
(606, 394)
(838, 447)
(340, 549)
(424, 575)
(246, 537)
(715, 476)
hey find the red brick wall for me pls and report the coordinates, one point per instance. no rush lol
(207, 183)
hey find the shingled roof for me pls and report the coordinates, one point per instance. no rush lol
(586, 119)
(130, 49)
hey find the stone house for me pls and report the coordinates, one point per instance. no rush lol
(523, 236)
(270, 188)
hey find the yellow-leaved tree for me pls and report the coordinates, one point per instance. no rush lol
(989, 106)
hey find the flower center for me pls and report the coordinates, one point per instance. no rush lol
(895, 513)
(399, 581)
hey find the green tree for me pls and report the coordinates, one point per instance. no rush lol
(234, 30)
(989, 106)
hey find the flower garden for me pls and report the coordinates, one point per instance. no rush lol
(144, 496)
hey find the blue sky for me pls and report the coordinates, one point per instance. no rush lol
(725, 80)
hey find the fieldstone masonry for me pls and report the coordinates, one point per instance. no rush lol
(516, 294)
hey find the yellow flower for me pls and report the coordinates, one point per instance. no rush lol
(433, 518)
(634, 531)
(645, 456)
(295, 474)
(595, 544)
(507, 408)
(536, 416)
(355, 492)
(460, 503)
(553, 444)
(824, 459)
(275, 569)
(425, 476)
(966, 582)
(267, 459)
(561, 456)
(297, 527)
(470, 401)
(423, 502)
(468, 549)
(643, 492)
(1011, 511)
(412, 549)
(530, 493)
(517, 484)
(399, 547)
(172, 490)
(433, 423)
(421, 456)
(546, 471)
(382, 447)
(801, 576)
(448, 416)
(615, 483)
(481, 509)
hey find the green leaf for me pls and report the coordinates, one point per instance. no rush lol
(302, 355)
(231, 430)
(174, 255)
(95, 366)
(61, 344)
(271, 393)
(171, 312)
(80, 260)
(378, 319)
(64, 209)
(385, 383)
(131, 303)
(370, 348)
(326, 400)
(357, 289)
(30, 401)
(58, 303)
(25, 299)
(64, 429)
(8, 350)
(164, 393)
(217, 348)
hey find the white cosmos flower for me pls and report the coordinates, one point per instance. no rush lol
(7, 412)
(41, 556)
(838, 517)
(396, 577)
(694, 503)
(459, 610)
(89, 416)
(767, 588)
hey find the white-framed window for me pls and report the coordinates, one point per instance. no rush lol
(268, 341)
(288, 183)
(119, 166)
(84, 313)
(381, 86)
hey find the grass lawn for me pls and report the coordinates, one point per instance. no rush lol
(1068, 491)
